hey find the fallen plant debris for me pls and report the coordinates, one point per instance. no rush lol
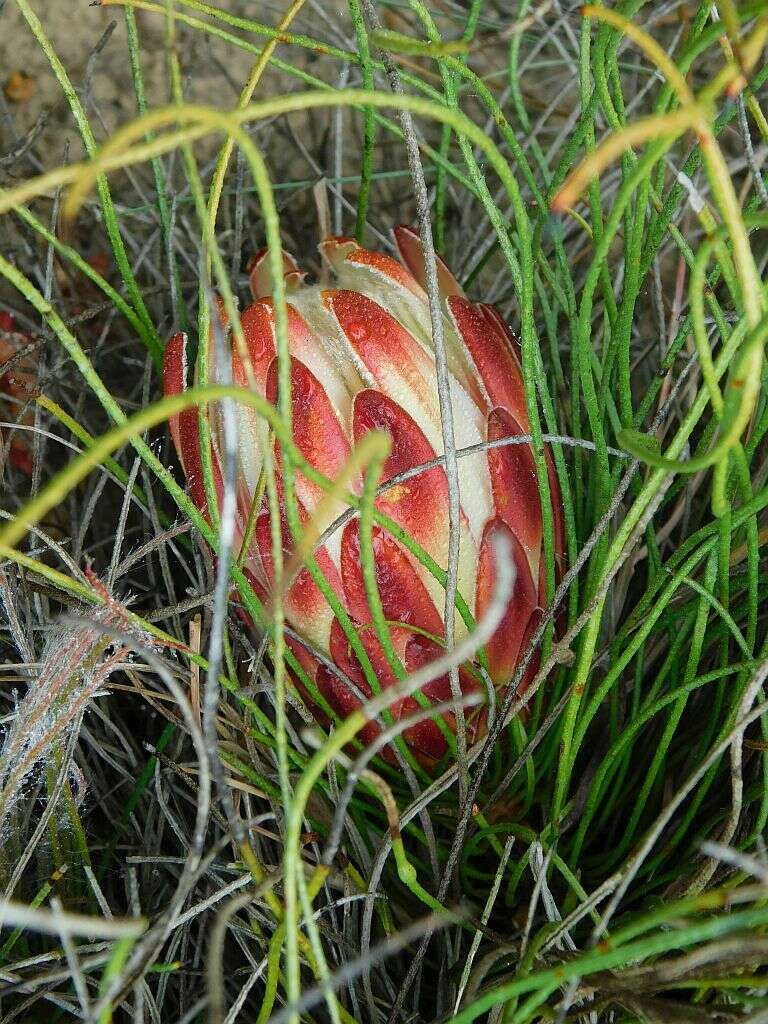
(19, 87)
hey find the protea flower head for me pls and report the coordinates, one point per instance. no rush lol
(362, 360)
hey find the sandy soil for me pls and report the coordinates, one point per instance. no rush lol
(104, 78)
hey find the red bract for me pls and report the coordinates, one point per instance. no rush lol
(362, 360)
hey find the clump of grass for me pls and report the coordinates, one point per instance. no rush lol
(601, 856)
(75, 665)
